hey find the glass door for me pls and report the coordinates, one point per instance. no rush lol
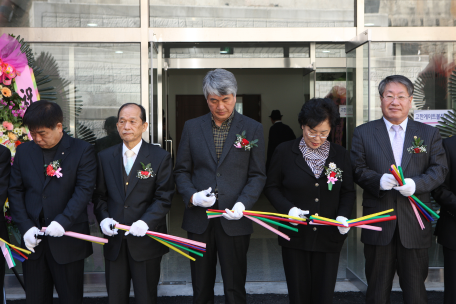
(356, 113)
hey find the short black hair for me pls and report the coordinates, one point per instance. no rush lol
(42, 114)
(316, 111)
(143, 111)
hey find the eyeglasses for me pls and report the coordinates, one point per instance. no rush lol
(322, 136)
(390, 98)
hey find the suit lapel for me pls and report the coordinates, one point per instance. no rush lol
(383, 140)
(236, 128)
(206, 127)
(62, 152)
(117, 169)
(38, 162)
(141, 158)
(299, 160)
(409, 133)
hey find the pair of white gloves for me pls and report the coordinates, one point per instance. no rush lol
(207, 199)
(138, 228)
(388, 182)
(31, 236)
(296, 212)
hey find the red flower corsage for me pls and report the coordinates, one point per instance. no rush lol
(146, 172)
(241, 141)
(53, 169)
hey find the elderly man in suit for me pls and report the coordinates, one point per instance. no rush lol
(5, 168)
(51, 184)
(401, 246)
(220, 164)
(135, 187)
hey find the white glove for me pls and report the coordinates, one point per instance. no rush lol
(237, 212)
(343, 220)
(408, 189)
(204, 198)
(31, 238)
(55, 229)
(387, 182)
(107, 226)
(296, 212)
(139, 228)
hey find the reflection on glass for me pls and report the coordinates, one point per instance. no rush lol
(251, 14)
(74, 13)
(330, 50)
(409, 13)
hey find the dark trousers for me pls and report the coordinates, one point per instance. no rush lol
(42, 274)
(232, 252)
(4, 236)
(123, 270)
(449, 258)
(311, 276)
(381, 265)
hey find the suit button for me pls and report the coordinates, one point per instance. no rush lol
(126, 206)
(218, 174)
(126, 184)
(44, 196)
(316, 185)
(315, 228)
(317, 200)
(316, 214)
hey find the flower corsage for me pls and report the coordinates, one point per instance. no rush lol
(53, 169)
(241, 141)
(417, 146)
(146, 172)
(334, 174)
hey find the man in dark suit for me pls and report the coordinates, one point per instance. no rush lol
(445, 196)
(212, 157)
(376, 145)
(5, 168)
(278, 133)
(51, 183)
(135, 187)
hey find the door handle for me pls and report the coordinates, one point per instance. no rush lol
(171, 144)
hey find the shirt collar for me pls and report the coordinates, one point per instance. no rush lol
(389, 124)
(277, 121)
(226, 122)
(135, 148)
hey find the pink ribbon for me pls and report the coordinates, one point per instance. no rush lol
(57, 173)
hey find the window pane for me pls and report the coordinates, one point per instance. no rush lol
(409, 13)
(74, 13)
(91, 81)
(251, 14)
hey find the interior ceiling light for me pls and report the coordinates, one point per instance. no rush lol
(326, 51)
(369, 24)
(119, 52)
(92, 24)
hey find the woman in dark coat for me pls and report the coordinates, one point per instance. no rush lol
(297, 184)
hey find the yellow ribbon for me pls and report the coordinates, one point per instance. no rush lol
(18, 248)
(370, 216)
(273, 214)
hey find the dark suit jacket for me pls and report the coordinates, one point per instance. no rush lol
(291, 183)
(445, 196)
(148, 199)
(278, 133)
(5, 169)
(63, 200)
(372, 156)
(239, 175)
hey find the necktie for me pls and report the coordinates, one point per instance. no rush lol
(397, 144)
(129, 163)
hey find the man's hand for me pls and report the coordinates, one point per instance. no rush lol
(55, 230)
(31, 238)
(139, 228)
(343, 220)
(108, 226)
(204, 198)
(236, 214)
(296, 212)
(408, 189)
(387, 182)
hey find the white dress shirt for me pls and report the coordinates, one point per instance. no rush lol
(135, 150)
(392, 133)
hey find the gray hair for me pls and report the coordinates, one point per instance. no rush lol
(396, 79)
(219, 82)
